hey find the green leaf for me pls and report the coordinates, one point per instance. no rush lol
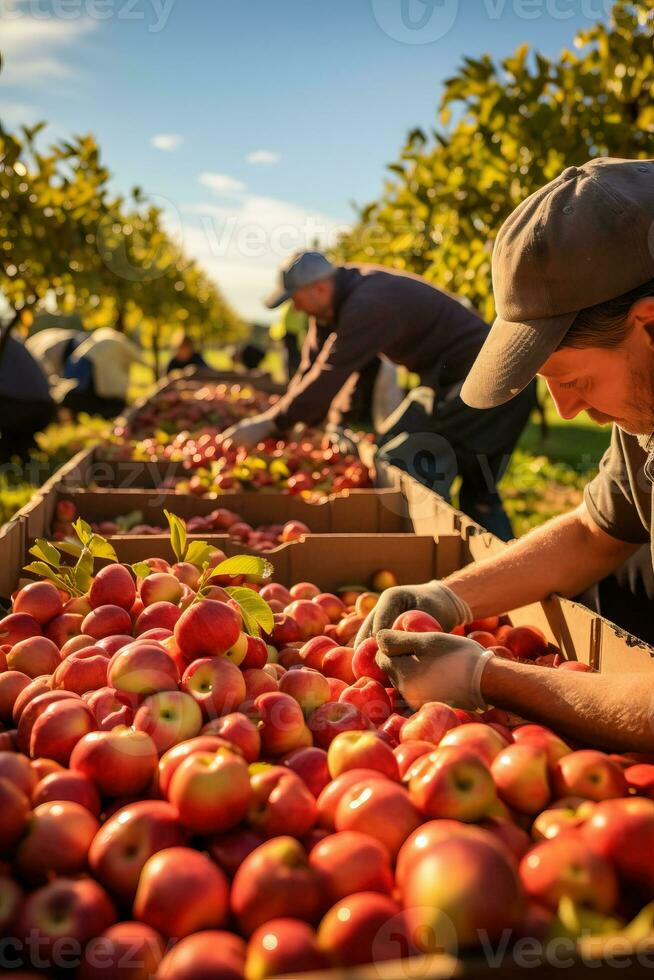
(198, 553)
(141, 569)
(250, 565)
(83, 572)
(83, 530)
(255, 610)
(73, 548)
(99, 547)
(44, 571)
(177, 535)
(47, 552)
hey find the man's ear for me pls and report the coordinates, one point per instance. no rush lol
(641, 315)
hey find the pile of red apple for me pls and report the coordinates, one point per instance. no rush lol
(199, 802)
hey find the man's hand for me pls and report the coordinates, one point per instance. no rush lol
(250, 431)
(433, 598)
(434, 667)
(338, 438)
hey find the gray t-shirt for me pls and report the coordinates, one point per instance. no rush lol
(21, 378)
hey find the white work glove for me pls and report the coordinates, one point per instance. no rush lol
(250, 431)
(339, 439)
(434, 667)
(434, 598)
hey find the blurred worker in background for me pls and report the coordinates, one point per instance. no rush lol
(26, 405)
(359, 312)
(185, 355)
(100, 366)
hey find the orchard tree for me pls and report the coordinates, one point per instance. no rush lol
(506, 129)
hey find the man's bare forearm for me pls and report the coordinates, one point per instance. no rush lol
(565, 556)
(615, 713)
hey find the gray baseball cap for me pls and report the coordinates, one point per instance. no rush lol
(585, 238)
(303, 269)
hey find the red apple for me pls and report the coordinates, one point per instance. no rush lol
(160, 587)
(222, 954)
(12, 682)
(128, 950)
(304, 590)
(364, 663)
(310, 618)
(480, 739)
(327, 721)
(276, 881)
(82, 671)
(207, 628)
(229, 850)
(308, 687)
(416, 621)
(281, 947)
(168, 717)
(18, 626)
(527, 642)
(143, 668)
(216, 684)
(62, 628)
(34, 656)
(58, 729)
(256, 654)
(352, 862)
(18, 770)
(121, 762)
(57, 841)
(127, 839)
(280, 723)
(178, 872)
(454, 783)
(281, 803)
(65, 911)
(429, 724)
(113, 586)
(568, 867)
(240, 731)
(36, 687)
(337, 662)
(70, 786)
(110, 708)
(331, 605)
(313, 651)
(521, 777)
(14, 811)
(554, 746)
(370, 698)
(310, 764)
(361, 750)
(589, 774)
(11, 900)
(348, 628)
(353, 931)
(409, 752)
(380, 808)
(106, 621)
(211, 791)
(622, 831)
(159, 615)
(392, 729)
(277, 592)
(40, 600)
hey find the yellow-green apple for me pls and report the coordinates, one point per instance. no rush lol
(230, 849)
(380, 808)
(370, 698)
(121, 762)
(622, 831)
(106, 620)
(67, 785)
(239, 731)
(65, 911)
(304, 590)
(364, 663)
(521, 776)
(276, 881)
(14, 811)
(181, 891)
(111, 708)
(327, 721)
(82, 671)
(281, 947)
(12, 682)
(18, 626)
(480, 739)
(113, 586)
(555, 747)
(143, 668)
(237, 654)
(407, 754)
(455, 784)
(310, 618)
(57, 841)
(568, 867)
(445, 893)
(159, 615)
(590, 774)
(207, 629)
(331, 605)
(127, 950)
(17, 768)
(313, 651)
(416, 621)
(62, 628)
(168, 717)
(310, 764)
(337, 662)
(160, 587)
(11, 900)
(211, 791)
(215, 953)
(34, 656)
(429, 724)
(352, 862)
(280, 803)
(40, 600)
(280, 723)
(361, 750)
(58, 729)
(127, 839)
(308, 687)
(352, 931)
(217, 685)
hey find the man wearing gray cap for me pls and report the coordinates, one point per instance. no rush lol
(573, 274)
(360, 311)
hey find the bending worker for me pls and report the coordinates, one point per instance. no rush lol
(358, 312)
(573, 274)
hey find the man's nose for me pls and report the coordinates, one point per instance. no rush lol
(567, 401)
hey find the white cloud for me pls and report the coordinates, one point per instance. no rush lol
(242, 246)
(30, 48)
(222, 183)
(168, 142)
(265, 157)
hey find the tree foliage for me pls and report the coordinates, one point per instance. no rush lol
(66, 238)
(506, 129)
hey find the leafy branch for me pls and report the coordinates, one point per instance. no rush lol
(74, 579)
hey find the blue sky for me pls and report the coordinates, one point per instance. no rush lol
(255, 123)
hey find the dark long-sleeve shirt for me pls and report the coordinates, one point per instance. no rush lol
(381, 312)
